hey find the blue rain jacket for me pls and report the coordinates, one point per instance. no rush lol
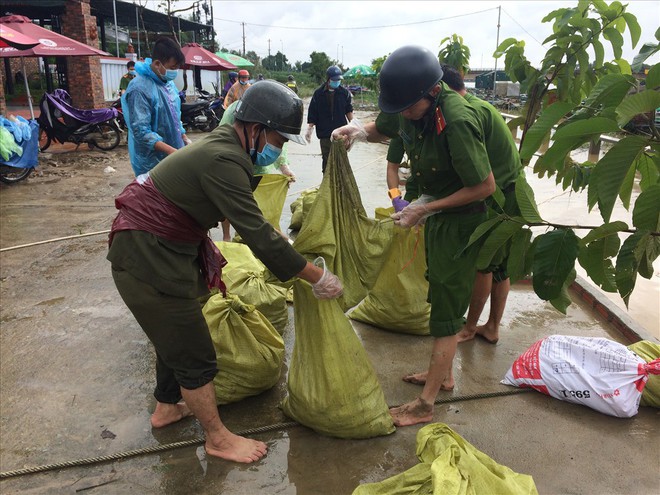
(152, 109)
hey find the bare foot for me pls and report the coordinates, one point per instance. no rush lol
(412, 413)
(465, 334)
(235, 448)
(166, 414)
(226, 239)
(487, 333)
(420, 379)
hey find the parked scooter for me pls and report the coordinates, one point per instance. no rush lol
(121, 121)
(61, 122)
(199, 114)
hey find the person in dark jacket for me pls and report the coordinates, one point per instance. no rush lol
(331, 107)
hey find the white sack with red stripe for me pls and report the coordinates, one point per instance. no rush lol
(599, 373)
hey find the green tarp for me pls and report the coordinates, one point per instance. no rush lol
(397, 301)
(449, 465)
(332, 387)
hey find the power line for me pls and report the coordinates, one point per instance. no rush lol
(355, 27)
(521, 27)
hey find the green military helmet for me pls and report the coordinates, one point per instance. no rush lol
(274, 105)
(407, 75)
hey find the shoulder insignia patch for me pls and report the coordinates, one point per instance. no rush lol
(440, 122)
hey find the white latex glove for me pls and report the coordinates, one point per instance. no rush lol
(329, 285)
(287, 171)
(351, 132)
(415, 213)
(308, 134)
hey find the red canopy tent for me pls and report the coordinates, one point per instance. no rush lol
(198, 57)
(50, 44)
(15, 39)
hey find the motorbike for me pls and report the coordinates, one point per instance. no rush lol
(201, 114)
(121, 121)
(59, 121)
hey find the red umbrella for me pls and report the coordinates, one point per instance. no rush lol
(9, 37)
(51, 44)
(200, 57)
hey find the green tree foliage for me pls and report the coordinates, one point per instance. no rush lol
(584, 96)
(377, 63)
(318, 66)
(277, 62)
(455, 53)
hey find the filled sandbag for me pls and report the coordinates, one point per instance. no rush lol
(249, 350)
(337, 228)
(397, 301)
(649, 351)
(332, 387)
(246, 277)
(301, 206)
(450, 465)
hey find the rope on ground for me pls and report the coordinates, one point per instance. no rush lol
(198, 441)
(57, 239)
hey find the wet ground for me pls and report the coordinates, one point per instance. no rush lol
(76, 372)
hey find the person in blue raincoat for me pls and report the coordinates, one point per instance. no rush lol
(152, 108)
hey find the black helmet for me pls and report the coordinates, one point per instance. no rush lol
(290, 78)
(334, 73)
(408, 74)
(274, 105)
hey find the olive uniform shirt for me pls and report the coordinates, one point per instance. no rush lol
(210, 180)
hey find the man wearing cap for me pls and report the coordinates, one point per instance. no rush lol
(237, 90)
(331, 107)
(444, 141)
(163, 260)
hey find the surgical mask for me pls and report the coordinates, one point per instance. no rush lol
(243, 82)
(334, 84)
(170, 74)
(267, 156)
(132, 72)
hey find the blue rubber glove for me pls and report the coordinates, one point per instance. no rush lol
(399, 204)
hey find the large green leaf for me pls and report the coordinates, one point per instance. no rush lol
(633, 27)
(497, 238)
(646, 252)
(553, 159)
(520, 244)
(626, 267)
(590, 127)
(526, 201)
(605, 230)
(653, 77)
(483, 228)
(643, 102)
(611, 170)
(563, 300)
(647, 50)
(615, 38)
(554, 259)
(609, 91)
(596, 259)
(649, 170)
(646, 214)
(538, 132)
(627, 186)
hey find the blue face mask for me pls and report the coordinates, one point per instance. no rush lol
(170, 74)
(243, 83)
(132, 72)
(334, 84)
(267, 156)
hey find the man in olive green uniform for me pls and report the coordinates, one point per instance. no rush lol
(444, 142)
(162, 258)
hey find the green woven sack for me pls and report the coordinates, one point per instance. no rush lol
(649, 351)
(249, 350)
(301, 206)
(397, 301)
(337, 227)
(245, 276)
(451, 466)
(332, 387)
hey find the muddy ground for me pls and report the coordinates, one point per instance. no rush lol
(76, 372)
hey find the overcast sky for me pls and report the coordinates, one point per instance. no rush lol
(301, 27)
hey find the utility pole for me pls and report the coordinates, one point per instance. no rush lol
(269, 47)
(499, 14)
(243, 24)
(114, 9)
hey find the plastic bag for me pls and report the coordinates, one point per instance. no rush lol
(332, 387)
(249, 350)
(649, 351)
(397, 301)
(301, 206)
(338, 229)
(449, 465)
(596, 372)
(8, 145)
(245, 276)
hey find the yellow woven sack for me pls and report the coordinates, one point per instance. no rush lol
(337, 228)
(245, 276)
(249, 350)
(649, 351)
(397, 301)
(270, 195)
(332, 387)
(301, 206)
(451, 466)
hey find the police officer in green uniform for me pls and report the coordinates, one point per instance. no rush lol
(159, 250)
(444, 141)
